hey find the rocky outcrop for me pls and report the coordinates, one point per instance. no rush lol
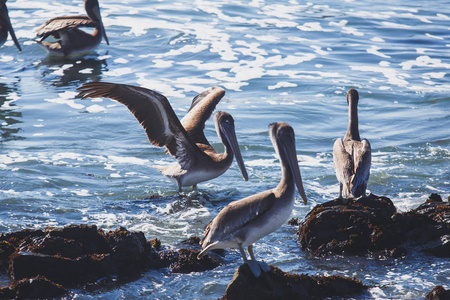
(277, 284)
(372, 225)
(75, 255)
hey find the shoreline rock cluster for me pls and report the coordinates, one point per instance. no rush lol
(53, 260)
(372, 225)
(48, 263)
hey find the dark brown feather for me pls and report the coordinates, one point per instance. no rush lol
(64, 23)
(200, 111)
(154, 113)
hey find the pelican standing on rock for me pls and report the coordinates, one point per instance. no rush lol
(184, 140)
(70, 39)
(243, 222)
(351, 155)
(5, 26)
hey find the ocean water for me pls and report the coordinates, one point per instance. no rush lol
(67, 161)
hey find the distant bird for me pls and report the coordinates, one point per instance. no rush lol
(351, 155)
(185, 140)
(70, 39)
(5, 26)
(243, 222)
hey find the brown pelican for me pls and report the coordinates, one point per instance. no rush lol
(351, 155)
(243, 222)
(5, 26)
(184, 140)
(70, 39)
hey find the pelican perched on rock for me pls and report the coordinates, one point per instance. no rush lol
(351, 155)
(70, 39)
(184, 140)
(5, 26)
(243, 222)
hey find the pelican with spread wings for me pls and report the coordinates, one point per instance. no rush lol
(197, 160)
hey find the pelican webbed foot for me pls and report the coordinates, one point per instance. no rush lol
(256, 267)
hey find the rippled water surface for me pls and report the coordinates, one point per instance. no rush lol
(64, 160)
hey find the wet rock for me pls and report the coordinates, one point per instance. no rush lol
(62, 270)
(371, 225)
(76, 254)
(277, 284)
(129, 251)
(438, 293)
(354, 227)
(33, 288)
(294, 222)
(185, 261)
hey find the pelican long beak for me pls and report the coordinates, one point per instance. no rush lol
(230, 135)
(288, 147)
(96, 11)
(5, 16)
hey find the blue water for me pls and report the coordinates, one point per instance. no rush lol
(63, 160)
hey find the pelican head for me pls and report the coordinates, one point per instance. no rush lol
(5, 25)
(93, 11)
(352, 96)
(283, 139)
(224, 123)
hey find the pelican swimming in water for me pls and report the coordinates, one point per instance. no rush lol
(5, 26)
(351, 155)
(243, 222)
(184, 140)
(70, 39)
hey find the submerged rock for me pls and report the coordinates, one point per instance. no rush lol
(277, 284)
(371, 225)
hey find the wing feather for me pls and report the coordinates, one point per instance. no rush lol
(343, 165)
(154, 113)
(200, 111)
(362, 158)
(236, 216)
(54, 25)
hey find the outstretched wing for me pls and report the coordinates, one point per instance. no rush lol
(201, 109)
(154, 113)
(52, 26)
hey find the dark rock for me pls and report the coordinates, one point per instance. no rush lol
(76, 254)
(371, 225)
(192, 241)
(89, 236)
(185, 261)
(32, 288)
(434, 198)
(55, 245)
(6, 249)
(129, 251)
(438, 293)
(353, 228)
(441, 247)
(294, 222)
(59, 269)
(277, 284)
